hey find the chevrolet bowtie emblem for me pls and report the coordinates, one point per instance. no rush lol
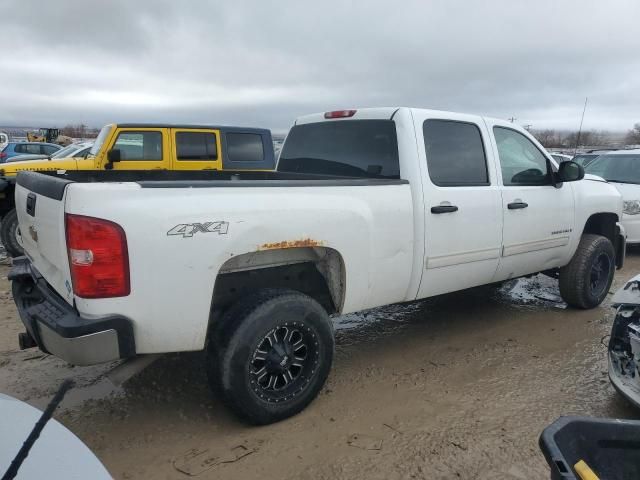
(33, 232)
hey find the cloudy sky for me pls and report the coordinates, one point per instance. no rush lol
(263, 63)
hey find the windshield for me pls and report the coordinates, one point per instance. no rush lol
(65, 152)
(616, 168)
(102, 136)
(585, 159)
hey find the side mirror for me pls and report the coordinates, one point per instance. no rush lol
(112, 157)
(570, 172)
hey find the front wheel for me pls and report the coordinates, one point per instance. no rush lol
(270, 355)
(9, 233)
(585, 281)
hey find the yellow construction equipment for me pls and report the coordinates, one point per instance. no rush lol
(49, 135)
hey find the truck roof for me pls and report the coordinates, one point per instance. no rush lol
(377, 113)
(194, 126)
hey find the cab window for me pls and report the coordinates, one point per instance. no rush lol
(521, 162)
(139, 145)
(196, 146)
(455, 153)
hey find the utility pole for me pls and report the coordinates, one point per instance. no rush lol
(512, 119)
(528, 127)
(580, 130)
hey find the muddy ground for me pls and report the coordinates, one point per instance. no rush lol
(458, 386)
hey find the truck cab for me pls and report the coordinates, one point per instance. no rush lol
(367, 207)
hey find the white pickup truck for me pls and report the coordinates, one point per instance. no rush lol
(368, 207)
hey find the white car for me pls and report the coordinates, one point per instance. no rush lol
(75, 150)
(4, 139)
(368, 207)
(57, 453)
(622, 169)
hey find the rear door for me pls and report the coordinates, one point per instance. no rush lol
(538, 217)
(141, 149)
(196, 149)
(463, 221)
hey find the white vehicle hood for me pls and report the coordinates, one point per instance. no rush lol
(628, 190)
(57, 454)
(595, 178)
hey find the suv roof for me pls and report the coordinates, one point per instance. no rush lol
(173, 125)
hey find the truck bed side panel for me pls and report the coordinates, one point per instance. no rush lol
(173, 275)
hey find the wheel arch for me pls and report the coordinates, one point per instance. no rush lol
(606, 224)
(315, 271)
(603, 223)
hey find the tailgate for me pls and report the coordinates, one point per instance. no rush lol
(40, 208)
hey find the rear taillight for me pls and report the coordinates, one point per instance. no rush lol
(340, 114)
(3, 155)
(98, 257)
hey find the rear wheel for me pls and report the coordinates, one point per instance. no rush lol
(585, 281)
(9, 234)
(270, 355)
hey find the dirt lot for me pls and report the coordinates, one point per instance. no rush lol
(459, 386)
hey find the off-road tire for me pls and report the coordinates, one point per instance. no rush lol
(238, 335)
(576, 278)
(8, 234)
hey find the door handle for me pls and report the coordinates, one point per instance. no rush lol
(517, 205)
(444, 209)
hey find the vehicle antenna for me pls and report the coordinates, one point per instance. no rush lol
(580, 130)
(12, 471)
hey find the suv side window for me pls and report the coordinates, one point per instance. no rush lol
(455, 153)
(522, 163)
(244, 147)
(139, 145)
(196, 146)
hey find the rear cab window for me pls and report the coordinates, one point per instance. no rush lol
(196, 149)
(353, 148)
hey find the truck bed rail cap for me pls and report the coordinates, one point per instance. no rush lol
(48, 186)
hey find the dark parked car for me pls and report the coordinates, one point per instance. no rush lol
(21, 148)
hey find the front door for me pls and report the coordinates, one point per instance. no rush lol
(538, 217)
(463, 221)
(141, 149)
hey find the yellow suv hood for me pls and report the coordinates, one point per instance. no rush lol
(11, 169)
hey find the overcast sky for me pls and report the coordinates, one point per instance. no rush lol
(263, 63)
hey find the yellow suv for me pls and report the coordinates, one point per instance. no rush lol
(144, 146)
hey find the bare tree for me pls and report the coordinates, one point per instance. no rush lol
(633, 135)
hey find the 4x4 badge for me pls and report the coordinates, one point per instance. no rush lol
(187, 230)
